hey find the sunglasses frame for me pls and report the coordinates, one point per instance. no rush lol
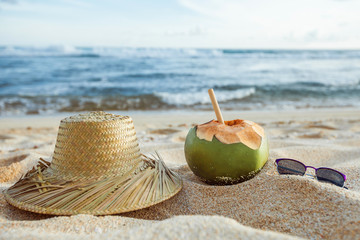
(306, 167)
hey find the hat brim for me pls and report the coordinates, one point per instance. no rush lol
(41, 192)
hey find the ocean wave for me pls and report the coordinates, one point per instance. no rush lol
(339, 84)
(49, 104)
(133, 52)
(158, 75)
(38, 51)
(293, 54)
(245, 98)
(45, 104)
(297, 86)
(91, 52)
(191, 98)
(61, 51)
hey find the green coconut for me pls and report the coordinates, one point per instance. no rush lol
(226, 153)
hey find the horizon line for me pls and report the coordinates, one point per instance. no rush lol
(202, 48)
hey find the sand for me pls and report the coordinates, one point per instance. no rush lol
(268, 206)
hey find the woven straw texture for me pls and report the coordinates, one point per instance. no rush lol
(97, 168)
(99, 145)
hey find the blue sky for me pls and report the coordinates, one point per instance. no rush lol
(325, 24)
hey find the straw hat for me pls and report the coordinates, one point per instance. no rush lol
(97, 168)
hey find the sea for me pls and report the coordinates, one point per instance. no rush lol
(55, 79)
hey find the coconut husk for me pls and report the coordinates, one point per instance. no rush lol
(235, 131)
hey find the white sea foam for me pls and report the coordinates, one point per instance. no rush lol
(191, 98)
(68, 50)
(56, 50)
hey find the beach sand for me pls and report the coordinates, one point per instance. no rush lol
(268, 206)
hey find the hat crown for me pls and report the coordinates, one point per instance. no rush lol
(95, 145)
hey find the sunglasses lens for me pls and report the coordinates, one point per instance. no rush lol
(288, 166)
(331, 176)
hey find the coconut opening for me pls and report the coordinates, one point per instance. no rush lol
(234, 131)
(234, 122)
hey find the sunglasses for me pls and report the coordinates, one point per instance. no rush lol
(294, 167)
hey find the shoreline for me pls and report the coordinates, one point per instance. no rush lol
(166, 117)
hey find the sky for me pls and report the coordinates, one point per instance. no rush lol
(254, 24)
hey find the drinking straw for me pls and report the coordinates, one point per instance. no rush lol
(215, 106)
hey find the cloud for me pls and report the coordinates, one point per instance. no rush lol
(281, 22)
(13, 2)
(191, 32)
(311, 36)
(9, 1)
(190, 23)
